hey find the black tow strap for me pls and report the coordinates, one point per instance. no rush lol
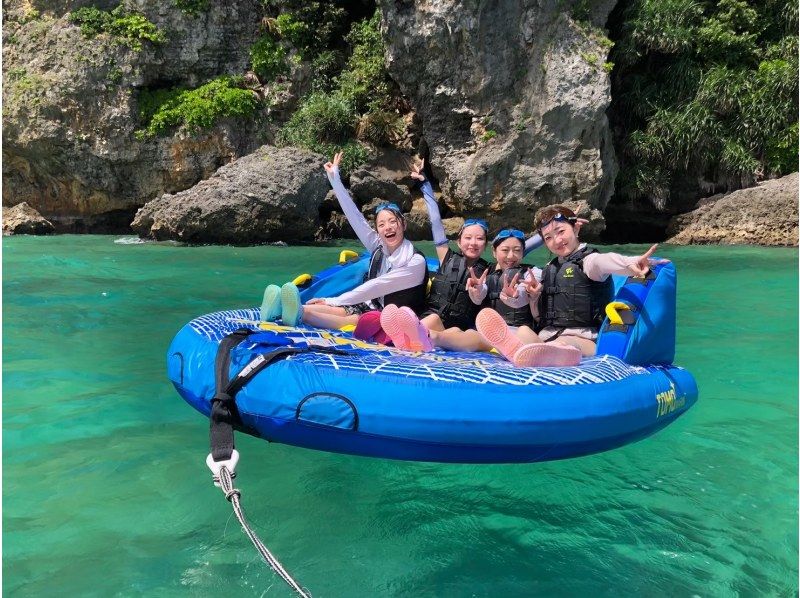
(224, 414)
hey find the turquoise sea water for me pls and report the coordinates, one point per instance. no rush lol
(106, 493)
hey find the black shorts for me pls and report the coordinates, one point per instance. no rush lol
(450, 321)
(357, 309)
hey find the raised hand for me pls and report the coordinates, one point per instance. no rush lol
(532, 286)
(417, 171)
(475, 282)
(510, 286)
(641, 267)
(331, 167)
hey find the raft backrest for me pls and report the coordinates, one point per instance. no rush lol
(341, 278)
(337, 279)
(647, 335)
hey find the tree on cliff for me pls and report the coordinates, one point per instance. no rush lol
(705, 94)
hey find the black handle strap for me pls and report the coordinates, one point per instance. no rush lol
(223, 407)
(224, 413)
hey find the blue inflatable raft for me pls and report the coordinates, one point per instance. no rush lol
(334, 393)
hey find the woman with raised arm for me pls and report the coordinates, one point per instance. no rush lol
(461, 286)
(397, 272)
(449, 304)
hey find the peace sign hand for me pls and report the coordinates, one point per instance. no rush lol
(533, 286)
(641, 266)
(418, 171)
(510, 286)
(474, 282)
(332, 167)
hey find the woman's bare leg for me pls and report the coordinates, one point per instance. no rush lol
(527, 336)
(320, 319)
(433, 322)
(320, 315)
(322, 308)
(456, 339)
(588, 348)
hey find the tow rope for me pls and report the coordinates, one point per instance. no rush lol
(223, 458)
(224, 479)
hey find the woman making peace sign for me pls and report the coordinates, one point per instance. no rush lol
(458, 289)
(569, 304)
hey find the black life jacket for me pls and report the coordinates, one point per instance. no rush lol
(520, 316)
(449, 297)
(570, 299)
(413, 297)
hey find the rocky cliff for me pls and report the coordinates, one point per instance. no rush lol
(766, 214)
(272, 194)
(512, 99)
(71, 110)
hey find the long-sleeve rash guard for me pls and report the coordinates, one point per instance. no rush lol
(597, 266)
(388, 281)
(437, 228)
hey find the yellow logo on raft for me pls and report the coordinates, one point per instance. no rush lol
(668, 402)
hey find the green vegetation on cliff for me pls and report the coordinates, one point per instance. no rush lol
(325, 123)
(358, 102)
(126, 27)
(192, 7)
(310, 27)
(703, 91)
(365, 80)
(164, 109)
(268, 58)
(349, 99)
(23, 88)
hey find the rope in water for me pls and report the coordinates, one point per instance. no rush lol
(233, 495)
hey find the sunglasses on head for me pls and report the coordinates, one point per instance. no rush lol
(388, 206)
(558, 218)
(476, 221)
(509, 232)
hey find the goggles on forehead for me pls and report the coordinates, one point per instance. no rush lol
(509, 232)
(475, 221)
(388, 206)
(558, 218)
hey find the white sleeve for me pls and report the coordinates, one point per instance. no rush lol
(522, 299)
(479, 294)
(368, 237)
(391, 282)
(437, 228)
(598, 266)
